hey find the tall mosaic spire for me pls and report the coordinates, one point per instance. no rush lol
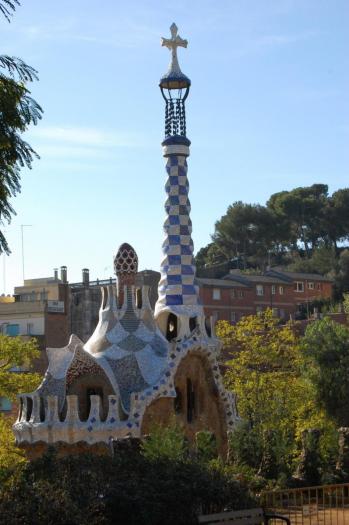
(178, 291)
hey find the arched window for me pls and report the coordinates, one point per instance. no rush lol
(139, 298)
(178, 402)
(190, 401)
(192, 323)
(208, 326)
(172, 327)
(92, 391)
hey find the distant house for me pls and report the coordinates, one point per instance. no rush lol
(238, 294)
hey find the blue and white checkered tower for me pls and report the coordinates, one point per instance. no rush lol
(178, 291)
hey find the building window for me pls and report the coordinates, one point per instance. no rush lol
(310, 286)
(275, 312)
(259, 310)
(299, 286)
(29, 328)
(5, 404)
(216, 294)
(281, 290)
(12, 330)
(282, 313)
(233, 317)
(233, 294)
(241, 293)
(259, 289)
(215, 317)
(178, 402)
(318, 286)
(273, 289)
(190, 401)
(172, 327)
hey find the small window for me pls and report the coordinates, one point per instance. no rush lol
(92, 391)
(282, 313)
(233, 294)
(318, 286)
(273, 289)
(281, 290)
(241, 293)
(139, 298)
(12, 330)
(29, 328)
(310, 286)
(178, 402)
(208, 326)
(275, 312)
(172, 327)
(5, 404)
(193, 322)
(215, 316)
(259, 289)
(259, 310)
(299, 286)
(216, 294)
(190, 401)
(233, 317)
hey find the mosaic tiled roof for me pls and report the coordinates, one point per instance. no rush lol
(128, 346)
(126, 260)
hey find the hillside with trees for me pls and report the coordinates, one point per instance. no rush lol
(305, 229)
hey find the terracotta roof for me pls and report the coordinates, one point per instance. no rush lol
(222, 283)
(299, 275)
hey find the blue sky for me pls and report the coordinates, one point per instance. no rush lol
(268, 111)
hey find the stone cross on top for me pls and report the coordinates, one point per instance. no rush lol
(172, 44)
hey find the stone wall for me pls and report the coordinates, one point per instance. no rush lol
(208, 413)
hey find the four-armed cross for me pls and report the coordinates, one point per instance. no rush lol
(172, 44)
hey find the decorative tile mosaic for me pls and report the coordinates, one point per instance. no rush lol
(177, 287)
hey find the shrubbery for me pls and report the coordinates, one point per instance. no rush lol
(134, 487)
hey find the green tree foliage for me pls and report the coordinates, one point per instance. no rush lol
(166, 443)
(245, 230)
(7, 7)
(346, 303)
(342, 275)
(15, 355)
(275, 400)
(301, 228)
(129, 488)
(326, 347)
(18, 110)
(302, 210)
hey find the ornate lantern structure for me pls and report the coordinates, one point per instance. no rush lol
(174, 86)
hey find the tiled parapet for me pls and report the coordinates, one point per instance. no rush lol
(51, 427)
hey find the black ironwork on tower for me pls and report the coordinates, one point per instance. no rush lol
(174, 87)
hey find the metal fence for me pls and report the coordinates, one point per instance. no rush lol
(327, 504)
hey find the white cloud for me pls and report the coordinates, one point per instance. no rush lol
(84, 136)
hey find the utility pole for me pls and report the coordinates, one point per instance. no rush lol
(22, 228)
(4, 268)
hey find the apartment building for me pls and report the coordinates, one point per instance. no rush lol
(239, 294)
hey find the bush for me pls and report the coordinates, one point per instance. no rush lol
(133, 488)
